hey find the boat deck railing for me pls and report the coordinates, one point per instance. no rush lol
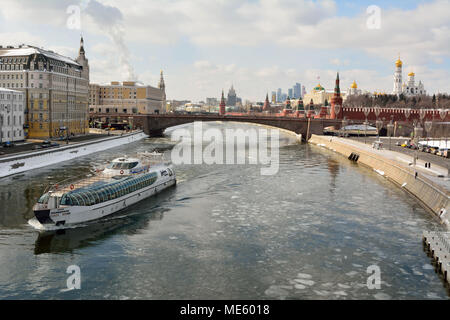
(78, 182)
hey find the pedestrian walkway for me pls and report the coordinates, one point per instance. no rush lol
(435, 173)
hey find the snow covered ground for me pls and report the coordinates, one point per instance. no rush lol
(24, 162)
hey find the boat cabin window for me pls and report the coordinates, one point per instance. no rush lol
(101, 193)
(44, 198)
(122, 166)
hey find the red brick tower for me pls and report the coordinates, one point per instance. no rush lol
(336, 100)
(222, 105)
(266, 106)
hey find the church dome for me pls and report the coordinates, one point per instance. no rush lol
(411, 74)
(398, 63)
(354, 85)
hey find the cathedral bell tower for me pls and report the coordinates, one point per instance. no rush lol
(398, 81)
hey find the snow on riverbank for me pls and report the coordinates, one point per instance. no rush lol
(25, 162)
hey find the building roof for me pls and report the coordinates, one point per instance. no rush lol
(10, 90)
(26, 50)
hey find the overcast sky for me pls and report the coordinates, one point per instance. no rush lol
(256, 45)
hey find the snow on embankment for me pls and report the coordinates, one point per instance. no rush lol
(20, 163)
(433, 196)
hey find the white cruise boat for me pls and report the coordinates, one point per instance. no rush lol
(124, 182)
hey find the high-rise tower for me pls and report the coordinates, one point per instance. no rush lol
(398, 77)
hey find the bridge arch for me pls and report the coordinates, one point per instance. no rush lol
(154, 125)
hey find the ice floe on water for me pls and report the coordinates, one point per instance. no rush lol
(305, 282)
(299, 286)
(427, 266)
(275, 291)
(322, 293)
(433, 295)
(382, 296)
(304, 276)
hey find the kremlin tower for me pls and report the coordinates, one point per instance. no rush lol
(336, 100)
(288, 104)
(300, 106)
(222, 105)
(266, 106)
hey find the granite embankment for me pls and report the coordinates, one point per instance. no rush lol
(431, 190)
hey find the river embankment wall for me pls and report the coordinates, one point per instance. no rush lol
(433, 196)
(19, 163)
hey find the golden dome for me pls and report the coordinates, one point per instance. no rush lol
(354, 85)
(411, 74)
(398, 63)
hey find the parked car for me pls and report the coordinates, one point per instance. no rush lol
(46, 144)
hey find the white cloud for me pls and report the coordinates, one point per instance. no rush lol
(421, 35)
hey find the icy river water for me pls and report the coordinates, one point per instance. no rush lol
(311, 231)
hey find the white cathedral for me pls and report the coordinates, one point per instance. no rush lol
(408, 88)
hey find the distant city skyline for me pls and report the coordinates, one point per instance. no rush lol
(240, 42)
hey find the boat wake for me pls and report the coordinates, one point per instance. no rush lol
(33, 222)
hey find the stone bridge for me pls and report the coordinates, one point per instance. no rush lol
(154, 125)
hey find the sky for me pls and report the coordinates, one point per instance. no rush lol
(204, 46)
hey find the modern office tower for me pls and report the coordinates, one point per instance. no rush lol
(279, 92)
(297, 91)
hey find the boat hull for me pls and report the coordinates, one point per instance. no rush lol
(65, 216)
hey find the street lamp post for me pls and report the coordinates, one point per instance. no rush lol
(390, 128)
(418, 131)
(344, 124)
(442, 115)
(366, 112)
(378, 123)
(1, 128)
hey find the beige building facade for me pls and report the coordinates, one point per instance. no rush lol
(127, 98)
(55, 87)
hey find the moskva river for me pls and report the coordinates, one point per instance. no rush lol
(317, 229)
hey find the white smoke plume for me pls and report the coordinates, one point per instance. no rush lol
(110, 19)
